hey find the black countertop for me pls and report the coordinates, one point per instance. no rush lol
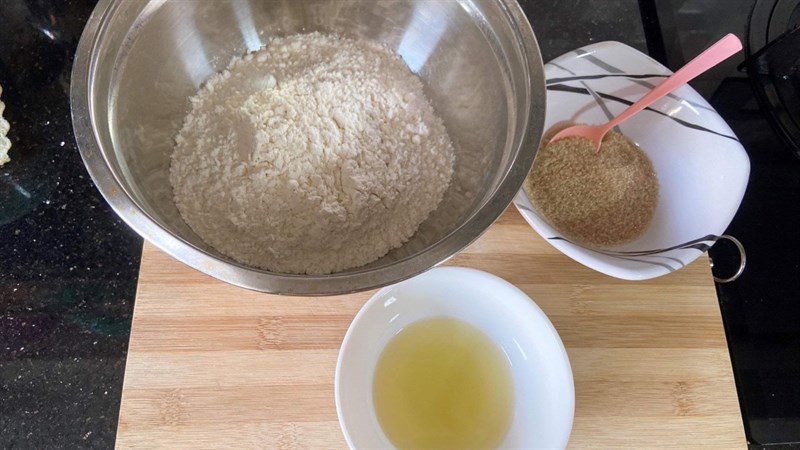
(68, 265)
(760, 310)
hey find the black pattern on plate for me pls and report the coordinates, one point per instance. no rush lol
(699, 244)
(583, 55)
(584, 91)
(597, 77)
(597, 98)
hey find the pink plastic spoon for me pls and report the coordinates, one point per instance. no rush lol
(722, 50)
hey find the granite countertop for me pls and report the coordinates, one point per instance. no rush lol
(68, 265)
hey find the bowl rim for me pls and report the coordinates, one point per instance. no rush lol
(90, 147)
(521, 301)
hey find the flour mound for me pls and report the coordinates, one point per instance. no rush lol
(313, 155)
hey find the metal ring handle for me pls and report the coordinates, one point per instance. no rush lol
(742, 260)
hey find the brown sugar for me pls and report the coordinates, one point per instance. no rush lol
(598, 199)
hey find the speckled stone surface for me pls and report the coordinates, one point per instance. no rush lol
(68, 266)
(562, 26)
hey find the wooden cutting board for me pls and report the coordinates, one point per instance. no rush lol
(212, 365)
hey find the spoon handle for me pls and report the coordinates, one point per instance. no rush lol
(720, 51)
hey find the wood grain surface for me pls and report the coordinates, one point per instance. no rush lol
(211, 365)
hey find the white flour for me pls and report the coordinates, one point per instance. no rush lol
(5, 143)
(313, 155)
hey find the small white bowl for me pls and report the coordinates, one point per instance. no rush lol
(701, 166)
(544, 393)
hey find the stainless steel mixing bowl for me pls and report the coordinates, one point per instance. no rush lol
(139, 61)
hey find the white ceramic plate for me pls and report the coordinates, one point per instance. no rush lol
(701, 166)
(543, 388)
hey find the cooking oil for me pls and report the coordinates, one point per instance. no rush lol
(443, 383)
